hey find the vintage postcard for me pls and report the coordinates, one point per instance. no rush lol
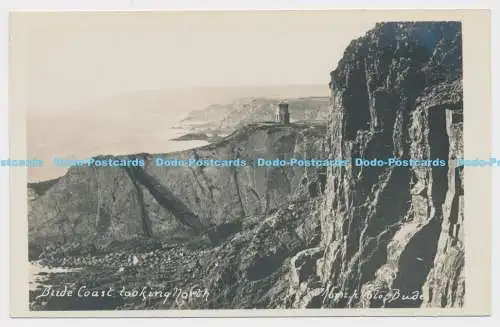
(250, 163)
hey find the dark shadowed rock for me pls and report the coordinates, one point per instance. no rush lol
(397, 92)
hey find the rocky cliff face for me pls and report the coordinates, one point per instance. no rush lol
(102, 205)
(377, 237)
(397, 92)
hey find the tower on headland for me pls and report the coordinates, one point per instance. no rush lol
(282, 113)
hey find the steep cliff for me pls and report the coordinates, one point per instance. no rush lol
(397, 92)
(102, 205)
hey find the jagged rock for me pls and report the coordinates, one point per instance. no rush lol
(397, 92)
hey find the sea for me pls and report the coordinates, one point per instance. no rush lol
(71, 139)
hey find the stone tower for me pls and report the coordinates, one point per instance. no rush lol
(282, 113)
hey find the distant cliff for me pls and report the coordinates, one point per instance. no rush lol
(226, 118)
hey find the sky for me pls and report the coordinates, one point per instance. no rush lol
(69, 59)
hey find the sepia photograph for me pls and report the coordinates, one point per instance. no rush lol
(269, 160)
